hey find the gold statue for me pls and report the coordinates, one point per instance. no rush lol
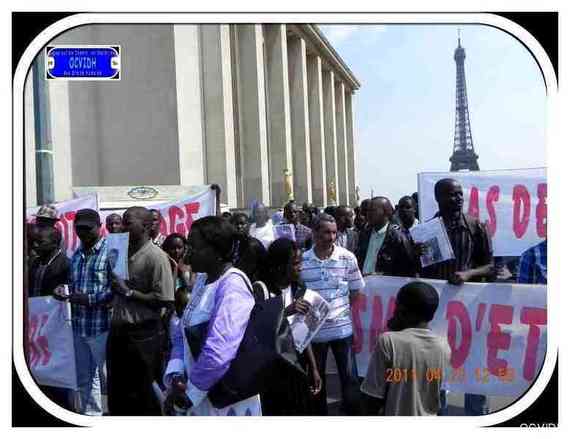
(288, 184)
(357, 191)
(332, 193)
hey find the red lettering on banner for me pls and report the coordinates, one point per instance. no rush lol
(541, 211)
(521, 201)
(532, 317)
(497, 339)
(72, 243)
(456, 312)
(38, 342)
(357, 307)
(175, 213)
(474, 203)
(163, 227)
(191, 209)
(376, 322)
(492, 198)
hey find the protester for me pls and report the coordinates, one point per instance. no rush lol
(332, 271)
(46, 272)
(46, 216)
(346, 236)
(175, 247)
(407, 214)
(249, 253)
(309, 214)
(378, 214)
(114, 223)
(415, 198)
(409, 347)
(262, 228)
(533, 265)
(473, 252)
(156, 237)
(277, 217)
(51, 267)
(137, 335)
(291, 393)
(90, 294)
(361, 221)
(223, 298)
(303, 234)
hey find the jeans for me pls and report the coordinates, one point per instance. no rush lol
(476, 405)
(90, 353)
(346, 366)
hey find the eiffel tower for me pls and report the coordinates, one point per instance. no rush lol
(463, 157)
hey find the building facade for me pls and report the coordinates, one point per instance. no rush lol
(264, 110)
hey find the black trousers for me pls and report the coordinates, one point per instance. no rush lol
(134, 354)
(346, 366)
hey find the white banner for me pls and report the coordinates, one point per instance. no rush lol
(496, 332)
(66, 211)
(178, 215)
(512, 202)
(51, 356)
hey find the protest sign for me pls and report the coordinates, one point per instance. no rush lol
(178, 215)
(513, 203)
(496, 332)
(285, 231)
(118, 254)
(433, 235)
(305, 327)
(50, 343)
(66, 211)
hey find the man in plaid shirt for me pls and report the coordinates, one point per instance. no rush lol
(533, 265)
(90, 294)
(303, 235)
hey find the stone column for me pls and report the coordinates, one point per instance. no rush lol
(300, 120)
(331, 159)
(189, 89)
(279, 112)
(341, 143)
(30, 142)
(317, 134)
(60, 119)
(350, 148)
(218, 113)
(252, 114)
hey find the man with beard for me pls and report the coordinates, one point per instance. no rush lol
(410, 347)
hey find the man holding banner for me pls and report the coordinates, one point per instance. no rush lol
(473, 258)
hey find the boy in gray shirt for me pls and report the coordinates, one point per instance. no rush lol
(405, 373)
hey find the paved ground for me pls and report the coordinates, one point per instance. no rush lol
(454, 400)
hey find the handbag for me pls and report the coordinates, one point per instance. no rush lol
(267, 342)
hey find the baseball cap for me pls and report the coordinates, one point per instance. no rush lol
(87, 217)
(47, 211)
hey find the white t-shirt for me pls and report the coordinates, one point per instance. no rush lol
(265, 234)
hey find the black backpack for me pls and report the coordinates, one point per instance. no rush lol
(267, 342)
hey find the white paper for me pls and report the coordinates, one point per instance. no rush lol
(118, 254)
(285, 231)
(305, 327)
(433, 234)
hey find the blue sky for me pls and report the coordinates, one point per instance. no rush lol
(405, 109)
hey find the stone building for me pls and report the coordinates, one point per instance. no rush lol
(248, 106)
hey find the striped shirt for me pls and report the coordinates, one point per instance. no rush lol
(333, 279)
(533, 265)
(90, 275)
(471, 246)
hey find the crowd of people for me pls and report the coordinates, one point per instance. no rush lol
(179, 319)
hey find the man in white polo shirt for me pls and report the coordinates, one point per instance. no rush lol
(333, 272)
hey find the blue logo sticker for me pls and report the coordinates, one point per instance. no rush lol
(83, 62)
